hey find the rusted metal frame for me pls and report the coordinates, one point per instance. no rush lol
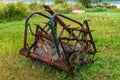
(85, 44)
(26, 25)
(47, 8)
(64, 25)
(90, 35)
(35, 56)
(71, 32)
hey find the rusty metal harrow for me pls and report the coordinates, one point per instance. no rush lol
(58, 42)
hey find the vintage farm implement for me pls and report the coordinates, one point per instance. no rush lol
(58, 40)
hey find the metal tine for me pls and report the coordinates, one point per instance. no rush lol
(48, 29)
(47, 23)
(86, 30)
(68, 25)
(69, 37)
(41, 28)
(33, 45)
(77, 29)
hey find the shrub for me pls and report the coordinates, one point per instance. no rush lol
(9, 11)
(21, 9)
(65, 8)
(112, 7)
(87, 3)
(34, 6)
(13, 11)
(59, 1)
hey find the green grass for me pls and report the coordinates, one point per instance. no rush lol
(107, 66)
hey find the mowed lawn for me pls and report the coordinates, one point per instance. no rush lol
(13, 66)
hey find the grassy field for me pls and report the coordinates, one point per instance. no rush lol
(107, 66)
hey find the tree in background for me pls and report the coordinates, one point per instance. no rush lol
(87, 3)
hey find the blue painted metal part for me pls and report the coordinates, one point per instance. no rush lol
(54, 34)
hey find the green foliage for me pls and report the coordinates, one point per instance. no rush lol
(87, 3)
(109, 6)
(112, 6)
(59, 1)
(18, 11)
(65, 8)
(13, 11)
(34, 6)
